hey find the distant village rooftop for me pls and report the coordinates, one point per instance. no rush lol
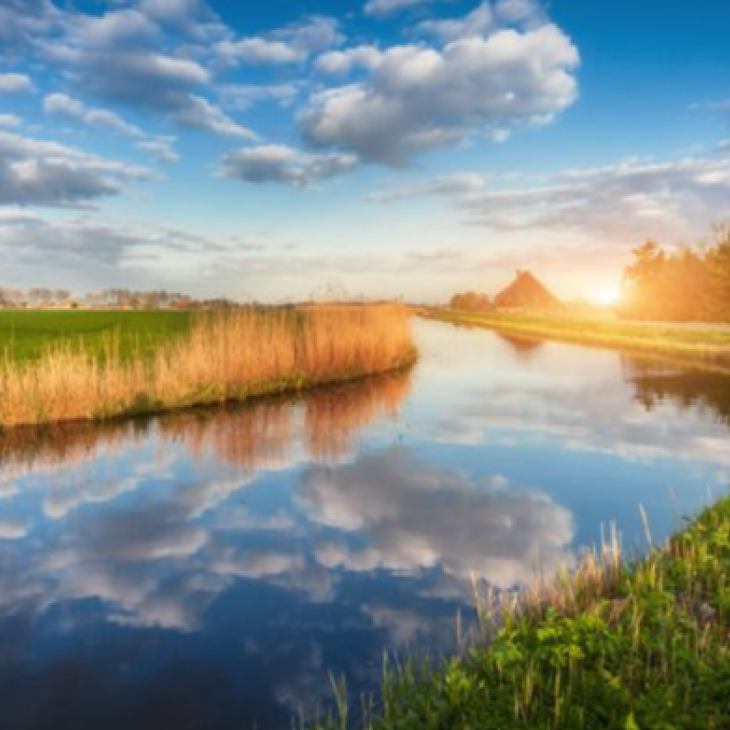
(526, 292)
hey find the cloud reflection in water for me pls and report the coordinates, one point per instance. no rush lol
(410, 516)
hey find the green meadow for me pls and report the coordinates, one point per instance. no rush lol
(27, 334)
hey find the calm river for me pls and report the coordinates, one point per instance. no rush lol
(208, 570)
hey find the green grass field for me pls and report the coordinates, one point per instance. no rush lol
(27, 334)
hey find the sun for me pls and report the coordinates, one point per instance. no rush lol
(607, 297)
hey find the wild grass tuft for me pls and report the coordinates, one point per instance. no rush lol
(225, 356)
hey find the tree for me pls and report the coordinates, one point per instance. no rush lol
(686, 285)
(471, 302)
(719, 272)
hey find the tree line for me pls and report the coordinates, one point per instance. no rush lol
(118, 298)
(691, 284)
(471, 302)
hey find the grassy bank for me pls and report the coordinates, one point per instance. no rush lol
(681, 345)
(616, 646)
(222, 357)
(28, 334)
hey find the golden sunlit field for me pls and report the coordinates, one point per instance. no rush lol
(689, 344)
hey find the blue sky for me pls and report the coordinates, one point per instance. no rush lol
(410, 148)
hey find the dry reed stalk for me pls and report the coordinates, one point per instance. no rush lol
(226, 356)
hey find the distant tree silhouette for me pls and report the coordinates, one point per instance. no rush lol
(687, 285)
(719, 266)
(471, 302)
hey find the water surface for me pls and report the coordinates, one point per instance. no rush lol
(210, 569)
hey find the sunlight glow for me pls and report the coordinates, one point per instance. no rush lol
(607, 297)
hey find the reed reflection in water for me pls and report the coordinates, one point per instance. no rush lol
(323, 425)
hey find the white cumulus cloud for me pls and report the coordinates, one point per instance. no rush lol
(386, 7)
(281, 164)
(14, 83)
(417, 98)
(39, 172)
(293, 44)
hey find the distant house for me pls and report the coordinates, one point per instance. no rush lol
(526, 292)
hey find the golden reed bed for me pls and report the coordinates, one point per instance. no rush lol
(226, 356)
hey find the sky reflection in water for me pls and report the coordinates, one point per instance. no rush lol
(208, 569)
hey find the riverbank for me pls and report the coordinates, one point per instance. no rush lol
(682, 345)
(222, 357)
(615, 645)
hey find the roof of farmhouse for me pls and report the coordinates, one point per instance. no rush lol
(526, 291)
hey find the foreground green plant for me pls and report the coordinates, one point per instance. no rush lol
(616, 645)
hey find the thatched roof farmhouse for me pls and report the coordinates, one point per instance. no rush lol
(526, 292)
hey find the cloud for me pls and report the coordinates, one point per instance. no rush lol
(621, 202)
(199, 113)
(257, 564)
(243, 97)
(22, 22)
(343, 62)
(386, 7)
(479, 23)
(147, 79)
(126, 57)
(16, 84)
(487, 18)
(418, 99)
(520, 11)
(444, 185)
(68, 497)
(35, 172)
(239, 518)
(10, 121)
(90, 252)
(162, 148)
(192, 17)
(13, 529)
(170, 10)
(280, 164)
(405, 627)
(156, 83)
(117, 28)
(66, 107)
(259, 51)
(294, 44)
(79, 249)
(395, 503)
